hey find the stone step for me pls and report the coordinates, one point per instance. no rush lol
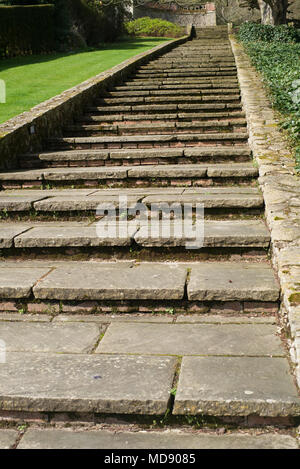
(171, 92)
(181, 107)
(206, 81)
(157, 127)
(186, 73)
(88, 200)
(160, 155)
(227, 234)
(124, 173)
(115, 281)
(168, 99)
(52, 438)
(162, 117)
(184, 87)
(122, 141)
(187, 66)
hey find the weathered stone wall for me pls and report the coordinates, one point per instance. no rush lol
(28, 131)
(281, 189)
(201, 18)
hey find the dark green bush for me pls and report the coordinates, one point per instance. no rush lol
(279, 63)
(153, 27)
(249, 32)
(26, 30)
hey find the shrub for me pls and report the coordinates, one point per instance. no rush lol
(26, 30)
(153, 27)
(278, 62)
(249, 32)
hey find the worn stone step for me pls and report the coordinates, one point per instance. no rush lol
(187, 67)
(148, 108)
(168, 99)
(128, 86)
(236, 386)
(156, 127)
(75, 281)
(88, 200)
(187, 73)
(172, 92)
(155, 139)
(70, 383)
(124, 173)
(100, 157)
(222, 233)
(172, 116)
(217, 82)
(49, 438)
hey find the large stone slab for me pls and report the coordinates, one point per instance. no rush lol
(211, 199)
(111, 234)
(192, 339)
(19, 203)
(78, 281)
(8, 233)
(171, 439)
(58, 338)
(229, 281)
(78, 203)
(8, 438)
(86, 383)
(72, 174)
(233, 233)
(236, 386)
(17, 282)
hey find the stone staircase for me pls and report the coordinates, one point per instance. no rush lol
(173, 133)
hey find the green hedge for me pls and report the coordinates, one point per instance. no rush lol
(249, 32)
(153, 28)
(278, 61)
(26, 30)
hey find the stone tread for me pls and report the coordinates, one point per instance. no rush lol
(86, 383)
(141, 281)
(200, 152)
(78, 200)
(141, 171)
(192, 339)
(236, 386)
(232, 233)
(153, 137)
(170, 439)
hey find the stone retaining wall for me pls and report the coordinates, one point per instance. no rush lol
(281, 188)
(199, 18)
(26, 132)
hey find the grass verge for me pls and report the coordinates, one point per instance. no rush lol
(33, 79)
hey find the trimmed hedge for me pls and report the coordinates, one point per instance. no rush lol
(26, 30)
(153, 28)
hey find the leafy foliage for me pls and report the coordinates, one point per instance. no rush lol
(153, 27)
(265, 32)
(279, 63)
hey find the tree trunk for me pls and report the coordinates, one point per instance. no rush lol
(273, 11)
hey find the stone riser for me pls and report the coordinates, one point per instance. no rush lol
(147, 181)
(154, 108)
(69, 163)
(162, 118)
(122, 307)
(103, 130)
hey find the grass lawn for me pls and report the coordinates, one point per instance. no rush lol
(34, 79)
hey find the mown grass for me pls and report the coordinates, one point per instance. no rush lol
(33, 79)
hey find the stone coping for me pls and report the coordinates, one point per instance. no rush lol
(27, 131)
(281, 189)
